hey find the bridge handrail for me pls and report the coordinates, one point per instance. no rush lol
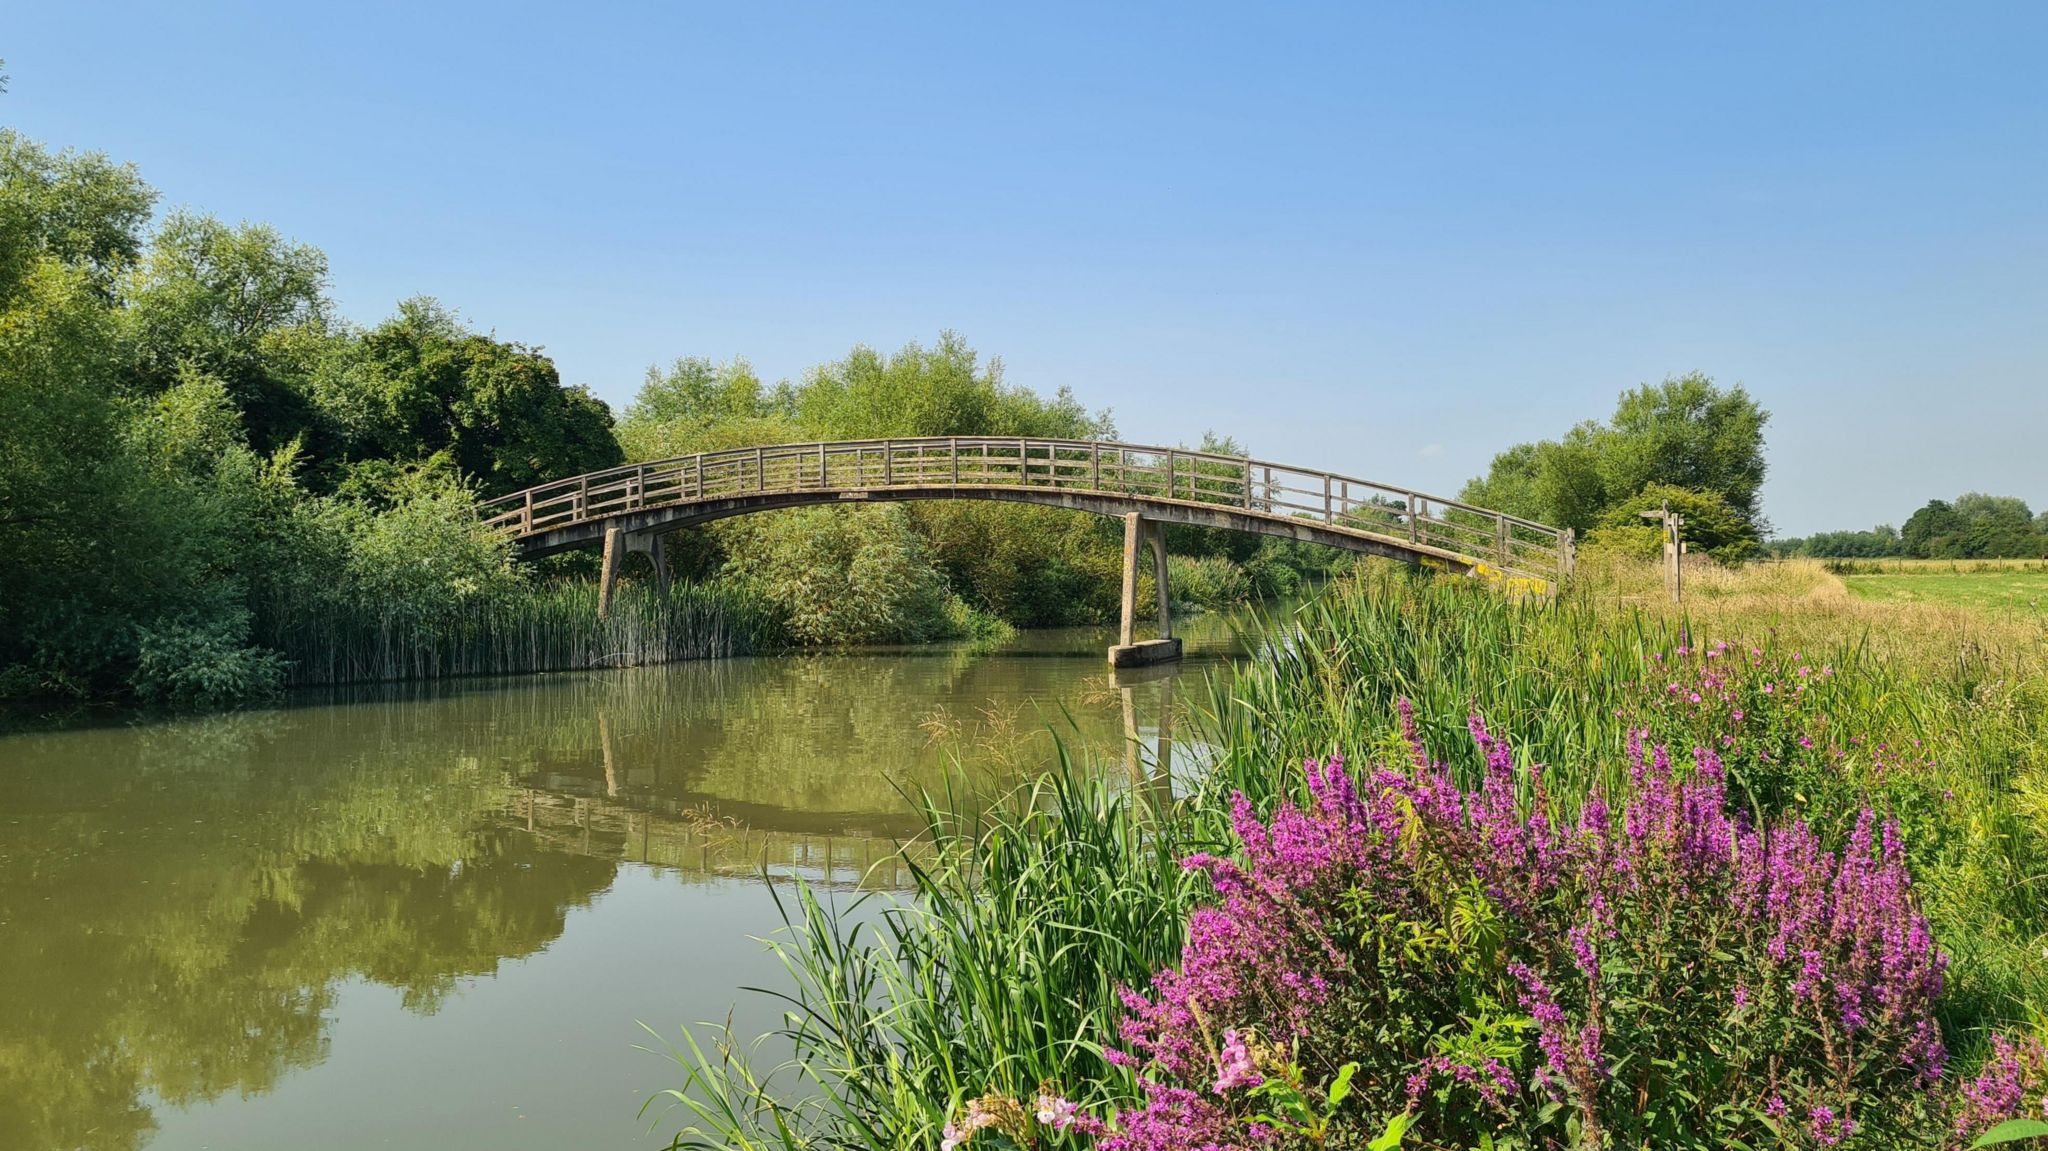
(1409, 518)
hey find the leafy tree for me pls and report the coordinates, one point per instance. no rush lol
(1689, 433)
(421, 384)
(701, 406)
(943, 390)
(1975, 526)
(1686, 432)
(81, 210)
(240, 304)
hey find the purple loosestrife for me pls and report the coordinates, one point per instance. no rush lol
(1377, 921)
(2013, 1084)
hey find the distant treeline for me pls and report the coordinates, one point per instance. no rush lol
(1972, 526)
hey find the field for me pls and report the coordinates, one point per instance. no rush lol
(2006, 586)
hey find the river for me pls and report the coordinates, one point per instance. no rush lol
(434, 918)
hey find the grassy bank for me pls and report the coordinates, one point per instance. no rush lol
(1001, 977)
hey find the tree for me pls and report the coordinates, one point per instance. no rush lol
(1689, 433)
(240, 304)
(700, 406)
(1975, 526)
(1686, 432)
(81, 210)
(421, 383)
(1711, 526)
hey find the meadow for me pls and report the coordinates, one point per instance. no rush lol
(2015, 586)
(1462, 870)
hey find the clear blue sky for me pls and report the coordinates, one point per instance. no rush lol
(1390, 240)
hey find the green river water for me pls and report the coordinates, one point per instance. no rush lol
(436, 918)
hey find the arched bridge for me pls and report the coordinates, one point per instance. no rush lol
(631, 507)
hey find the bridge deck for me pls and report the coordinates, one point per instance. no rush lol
(1168, 484)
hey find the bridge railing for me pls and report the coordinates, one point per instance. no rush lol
(1423, 523)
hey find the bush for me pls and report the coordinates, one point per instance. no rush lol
(845, 575)
(1206, 582)
(1657, 973)
(204, 663)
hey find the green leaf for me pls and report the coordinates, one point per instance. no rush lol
(2012, 1131)
(1391, 1137)
(1341, 1086)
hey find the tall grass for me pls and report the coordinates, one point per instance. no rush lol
(999, 972)
(532, 628)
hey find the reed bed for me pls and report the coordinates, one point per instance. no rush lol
(533, 628)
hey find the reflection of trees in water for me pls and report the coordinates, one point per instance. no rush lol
(180, 901)
(745, 735)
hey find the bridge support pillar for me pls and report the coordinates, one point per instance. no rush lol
(617, 546)
(1128, 652)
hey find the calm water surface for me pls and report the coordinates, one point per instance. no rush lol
(437, 919)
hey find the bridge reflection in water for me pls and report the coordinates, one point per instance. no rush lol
(626, 812)
(197, 915)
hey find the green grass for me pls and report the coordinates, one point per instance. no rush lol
(2015, 589)
(1028, 912)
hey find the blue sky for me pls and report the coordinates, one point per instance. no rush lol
(1386, 239)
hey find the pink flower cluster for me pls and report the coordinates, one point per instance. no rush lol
(1831, 939)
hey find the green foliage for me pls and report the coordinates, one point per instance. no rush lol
(421, 384)
(1711, 526)
(239, 304)
(1002, 973)
(1975, 526)
(846, 575)
(1686, 432)
(80, 211)
(699, 406)
(938, 391)
(998, 974)
(1207, 582)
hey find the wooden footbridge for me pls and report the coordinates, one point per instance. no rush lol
(632, 508)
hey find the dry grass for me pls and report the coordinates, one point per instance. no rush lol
(1804, 602)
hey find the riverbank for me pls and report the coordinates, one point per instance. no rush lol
(1036, 912)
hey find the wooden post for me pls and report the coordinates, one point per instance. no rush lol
(527, 520)
(582, 497)
(1095, 466)
(821, 466)
(608, 575)
(1567, 553)
(1169, 475)
(1413, 536)
(1500, 541)
(760, 477)
(888, 463)
(1327, 517)
(1159, 578)
(1134, 526)
(1247, 485)
(953, 450)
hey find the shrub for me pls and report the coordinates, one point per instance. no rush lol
(1206, 582)
(203, 663)
(1656, 972)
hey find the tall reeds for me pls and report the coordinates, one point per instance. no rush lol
(531, 628)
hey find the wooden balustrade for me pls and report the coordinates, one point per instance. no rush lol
(1429, 526)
